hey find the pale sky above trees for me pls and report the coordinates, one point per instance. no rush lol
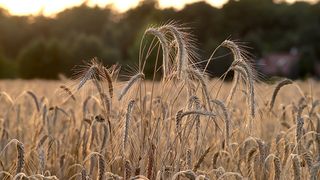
(50, 7)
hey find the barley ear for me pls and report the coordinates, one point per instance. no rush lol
(296, 167)
(102, 167)
(315, 171)
(20, 164)
(277, 168)
(108, 77)
(182, 54)
(127, 123)
(130, 83)
(277, 89)
(165, 51)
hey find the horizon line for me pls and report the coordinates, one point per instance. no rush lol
(162, 4)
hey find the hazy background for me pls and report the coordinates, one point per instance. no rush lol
(45, 40)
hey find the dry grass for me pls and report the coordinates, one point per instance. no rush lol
(169, 129)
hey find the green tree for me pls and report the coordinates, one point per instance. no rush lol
(43, 59)
(7, 68)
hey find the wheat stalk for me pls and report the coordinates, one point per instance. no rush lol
(130, 83)
(127, 123)
(314, 171)
(277, 168)
(165, 50)
(182, 54)
(201, 159)
(296, 167)
(277, 89)
(189, 174)
(108, 77)
(20, 164)
(299, 128)
(227, 174)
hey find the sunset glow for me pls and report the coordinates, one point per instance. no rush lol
(50, 7)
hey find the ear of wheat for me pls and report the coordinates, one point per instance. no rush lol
(161, 130)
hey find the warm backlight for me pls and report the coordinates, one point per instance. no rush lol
(51, 7)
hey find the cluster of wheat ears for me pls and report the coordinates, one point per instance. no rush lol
(182, 127)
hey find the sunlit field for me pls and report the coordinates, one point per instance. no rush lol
(184, 126)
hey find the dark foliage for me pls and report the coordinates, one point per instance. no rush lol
(43, 47)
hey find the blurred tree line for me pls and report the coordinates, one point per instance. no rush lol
(43, 47)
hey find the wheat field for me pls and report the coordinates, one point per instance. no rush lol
(185, 126)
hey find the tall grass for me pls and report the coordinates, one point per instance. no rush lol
(168, 129)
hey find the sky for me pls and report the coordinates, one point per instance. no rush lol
(51, 7)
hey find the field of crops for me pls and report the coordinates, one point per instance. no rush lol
(185, 126)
